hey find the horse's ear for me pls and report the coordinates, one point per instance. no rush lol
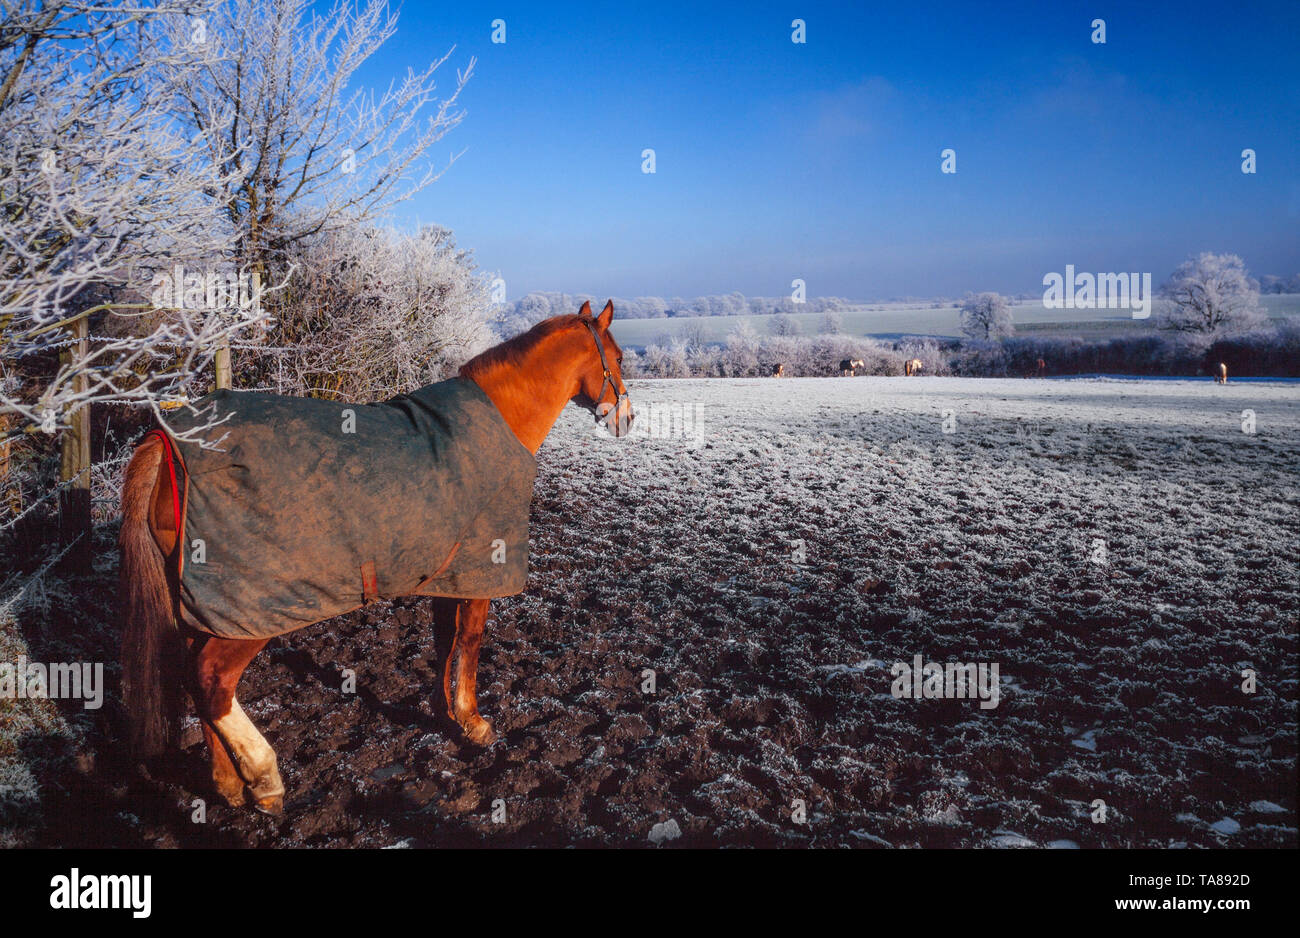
(586, 308)
(606, 315)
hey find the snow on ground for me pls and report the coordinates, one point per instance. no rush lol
(1122, 550)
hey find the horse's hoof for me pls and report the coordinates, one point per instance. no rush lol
(480, 732)
(272, 806)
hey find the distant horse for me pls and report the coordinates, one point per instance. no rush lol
(1221, 374)
(778, 371)
(169, 647)
(849, 367)
(1042, 369)
(912, 367)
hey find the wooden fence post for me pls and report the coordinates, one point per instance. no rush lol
(74, 465)
(221, 361)
(10, 497)
(222, 364)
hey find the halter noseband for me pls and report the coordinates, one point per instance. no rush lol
(619, 396)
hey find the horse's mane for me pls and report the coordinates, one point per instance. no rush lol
(511, 352)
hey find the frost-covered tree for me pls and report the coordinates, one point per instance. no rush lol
(986, 316)
(647, 307)
(741, 355)
(1211, 293)
(97, 190)
(783, 324)
(831, 324)
(691, 334)
(278, 109)
(671, 360)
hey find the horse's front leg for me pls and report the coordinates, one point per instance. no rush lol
(470, 619)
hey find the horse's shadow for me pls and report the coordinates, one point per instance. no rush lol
(305, 667)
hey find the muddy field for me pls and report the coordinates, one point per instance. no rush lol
(1123, 551)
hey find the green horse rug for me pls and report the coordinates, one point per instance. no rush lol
(308, 509)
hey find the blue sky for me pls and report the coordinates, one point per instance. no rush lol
(822, 161)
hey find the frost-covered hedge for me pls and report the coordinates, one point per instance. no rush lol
(747, 355)
(1273, 351)
(370, 313)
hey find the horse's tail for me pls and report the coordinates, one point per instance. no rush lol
(152, 689)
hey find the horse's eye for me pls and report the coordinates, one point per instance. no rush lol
(620, 361)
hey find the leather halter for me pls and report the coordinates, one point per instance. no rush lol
(619, 396)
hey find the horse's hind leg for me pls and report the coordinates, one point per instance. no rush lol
(218, 666)
(225, 777)
(470, 618)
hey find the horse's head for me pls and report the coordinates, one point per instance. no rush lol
(600, 375)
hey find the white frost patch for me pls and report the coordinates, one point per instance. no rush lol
(664, 831)
(1012, 685)
(1225, 826)
(858, 668)
(1004, 840)
(1086, 741)
(949, 816)
(1266, 807)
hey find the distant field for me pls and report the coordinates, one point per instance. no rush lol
(887, 320)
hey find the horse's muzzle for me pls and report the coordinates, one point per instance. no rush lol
(616, 418)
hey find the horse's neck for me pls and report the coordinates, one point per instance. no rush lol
(529, 394)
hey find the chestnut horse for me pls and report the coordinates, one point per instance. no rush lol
(912, 367)
(529, 379)
(1221, 374)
